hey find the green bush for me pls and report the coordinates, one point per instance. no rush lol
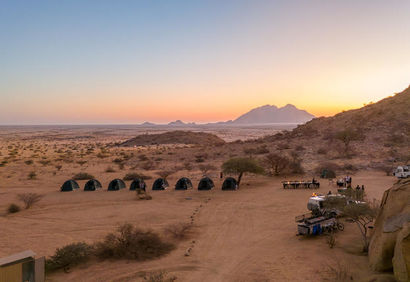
(69, 255)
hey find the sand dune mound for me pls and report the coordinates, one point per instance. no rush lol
(174, 137)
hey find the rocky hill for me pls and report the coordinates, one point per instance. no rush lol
(374, 136)
(388, 119)
(174, 137)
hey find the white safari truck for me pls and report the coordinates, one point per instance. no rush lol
(319, 220)
(402, 171)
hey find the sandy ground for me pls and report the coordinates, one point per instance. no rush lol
(244, 235)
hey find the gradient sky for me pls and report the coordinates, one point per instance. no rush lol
(132, 61)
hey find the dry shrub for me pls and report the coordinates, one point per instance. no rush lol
(134, 175)
(159, 276)
(205, 168)
(83, 176)
(148, 165)
(188, 166)
(109, 169)
(69, 255)
(29, 199)
(32, 175)
(331, 240)
(350, 168)
(13, 208)
(130, 242)
(338, 273)
(179, 231)
(143, 158)
(328, 166)
(165, 173)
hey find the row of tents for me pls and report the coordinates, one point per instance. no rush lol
(183, 183)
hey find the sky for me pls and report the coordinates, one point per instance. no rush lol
(80, 62)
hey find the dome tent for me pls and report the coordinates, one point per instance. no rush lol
(160, 184)
(92, 185)
(137, 184)
(230, 183)
(69, 185)
(183, 183)
(116, 184)
(206, 183)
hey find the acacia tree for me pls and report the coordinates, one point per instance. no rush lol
(362, 214)
(276, 163)
(240, 166)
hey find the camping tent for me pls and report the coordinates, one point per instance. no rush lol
(69, 185)
(160, 184)
(230, 184)
(116, 185)
(92, 185)
(206, 183)
(183, 184)
(138, 184)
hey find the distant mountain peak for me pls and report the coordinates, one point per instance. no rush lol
(288, 106)
(177, 122)
(273, 114)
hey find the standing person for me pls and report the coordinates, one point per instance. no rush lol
(358, 192)
(362, 192)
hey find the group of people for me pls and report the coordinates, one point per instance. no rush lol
(357, 193)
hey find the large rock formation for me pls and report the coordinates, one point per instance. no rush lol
(390, 244)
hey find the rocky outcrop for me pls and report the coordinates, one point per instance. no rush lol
(401, 259)
(389, 244)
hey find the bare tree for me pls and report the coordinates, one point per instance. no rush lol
(362, 214)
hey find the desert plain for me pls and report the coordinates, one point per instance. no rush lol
(244, 235)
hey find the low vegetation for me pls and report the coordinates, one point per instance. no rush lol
(179, 231)
(32, 175)
(13, 208)
(130, 242)
(134, 175)
(29, 199)
(83, 176)
(68, 256)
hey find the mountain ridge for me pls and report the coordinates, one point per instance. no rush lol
(266, 114)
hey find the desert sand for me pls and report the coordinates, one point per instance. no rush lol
(244, 235)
